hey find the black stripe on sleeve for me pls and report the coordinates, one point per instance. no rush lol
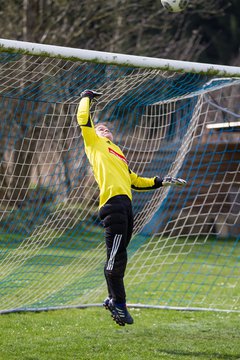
(157, 184)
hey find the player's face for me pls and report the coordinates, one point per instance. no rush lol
(103, 131)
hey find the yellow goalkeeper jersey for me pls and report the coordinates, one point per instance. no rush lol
(109, 164)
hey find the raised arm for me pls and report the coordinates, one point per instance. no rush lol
(84, 117)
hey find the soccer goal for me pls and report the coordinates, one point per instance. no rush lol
(170, 118)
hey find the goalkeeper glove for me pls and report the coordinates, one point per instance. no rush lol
(168, 180)
(91, 94)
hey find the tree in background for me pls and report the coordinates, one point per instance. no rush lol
(208, 31)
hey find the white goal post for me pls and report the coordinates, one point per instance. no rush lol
(117, 59)
(170, 117)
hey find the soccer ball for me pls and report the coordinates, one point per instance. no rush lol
(175, 5)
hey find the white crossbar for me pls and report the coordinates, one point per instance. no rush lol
(119, 59)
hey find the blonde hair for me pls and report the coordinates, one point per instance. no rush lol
(100, 124)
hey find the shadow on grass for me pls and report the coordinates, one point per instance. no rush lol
(207, 356)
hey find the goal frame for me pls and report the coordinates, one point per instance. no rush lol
(108, 58)
(75, 54)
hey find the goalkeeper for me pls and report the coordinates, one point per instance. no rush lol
(115, 180)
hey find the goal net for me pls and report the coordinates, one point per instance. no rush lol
(185, 249)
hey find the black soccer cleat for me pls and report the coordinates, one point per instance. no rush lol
(106, 303)
(119, 313)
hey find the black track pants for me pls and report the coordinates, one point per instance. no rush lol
(117, 218)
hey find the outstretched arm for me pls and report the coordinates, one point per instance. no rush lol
(145, 184)
(139, 183)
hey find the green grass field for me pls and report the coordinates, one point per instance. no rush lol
(205, 276)
(84, 334)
